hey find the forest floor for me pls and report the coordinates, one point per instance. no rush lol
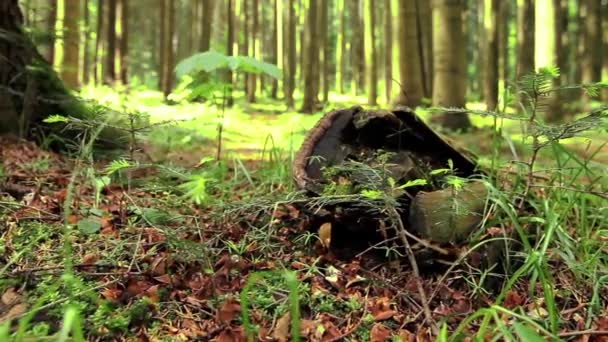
(138, 260)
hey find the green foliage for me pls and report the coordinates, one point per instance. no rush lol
(211, 61)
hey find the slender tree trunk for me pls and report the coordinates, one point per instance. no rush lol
(110, 68)
(251, 89)
(123, 47)
(546, 48)
(207, 24)
(357, 46)
(371, 52)
(491, 69)
(86, 58)
(502, 25)
(230, 49)
(341, 47)
(162, 44)
(525, 38)
(275, 47)
(388, 55)
(168, 47)
(324, 41)
(245, 46)
(291, 54)
(98, 58)
(71, 43)
(592, 41)
(50, 20)
(425, 44)
(312, 54)
(410, 66)
(605, 56)
(449, 62)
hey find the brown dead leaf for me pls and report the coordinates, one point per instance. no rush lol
(229, 310)
(11, 297)
(281, 329)
(14, 312)
(165, 279)
(136, 287)
(406, 336)
(379, 333)
(111, 294)
(513, 299)
(384, 315)
(89, 259)
(308, 327)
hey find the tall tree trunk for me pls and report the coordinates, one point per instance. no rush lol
(546, 48)
(291, 54)
(341, 47)
(491, 68)
(50, 19)
(168, 47)
(251, 89)
(98, 58)
(388, 55)
(230, 49)
(246, 37)
(324, 41)
(525, 38)
(162, 43)
(410, 65)
(71, 44)
(605, 56)
(482, 44)
(207, 24)
(592, 52)
(371, 54)
(357, 46)
(449, 85)
(110, 67)
(312, 54)
(123, 47)
(86, 58)
(274, 56)
(425, 44)
(503, 45)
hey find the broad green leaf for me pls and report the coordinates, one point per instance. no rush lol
(413, 182)
(207, 61)
(89, 225)
(526, 333)
(55, 119)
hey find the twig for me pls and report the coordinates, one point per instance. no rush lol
(414, 265)
(583, 332)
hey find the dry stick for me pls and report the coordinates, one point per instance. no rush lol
(414, 265)
(583, 332)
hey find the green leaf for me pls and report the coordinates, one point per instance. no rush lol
(439, 171)
(89, 225)
(56, 119)
(413, 182)
(372, 194)
(207, 61)
(117, 165)
(526, 333)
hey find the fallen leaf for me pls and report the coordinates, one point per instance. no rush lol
(229, 311)
(325, 234)
(379, 333)
(281, 329)
(384, 315)
(513, 299)
(14, 312)
(11, 297)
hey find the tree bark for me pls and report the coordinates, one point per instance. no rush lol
(546, 49)
(425, 44)
(605, 56)
(291, 54)
(525, 38)
(207, 25)
(371, 54)
(410, 65)
(252, 78)
(110, 65)
(592, 54)
(341, 47)
(491, 67)
(50, 19)
(71, 44)
(168, 49)
(229, 49)
(357, 46)
(312, 54)
(324, 41)
(86, 59)
(275, 47)
(388, 55)
(123, 46)
(449, 85)
(98, 60)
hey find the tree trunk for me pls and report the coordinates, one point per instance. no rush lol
(388, 55)
(98, 59)
(274, 56)
(525, 38)
(207, 25)
(252, 78)
(48, 50)
(425, 44)
(245, 45)
(291, 54)
(341, 47)
(410, 66)
(546, 48)
(86, 59)
(324, 41)
(371, 54)
(312, 53)
(592, 52)
(229, 49)
(162, 44)
(28, 95)
(167, 48)
(491, 67)
(110, 65)
(357, 47)
(449, 85)
(71, 44)
(123, 47)
(605, 56)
